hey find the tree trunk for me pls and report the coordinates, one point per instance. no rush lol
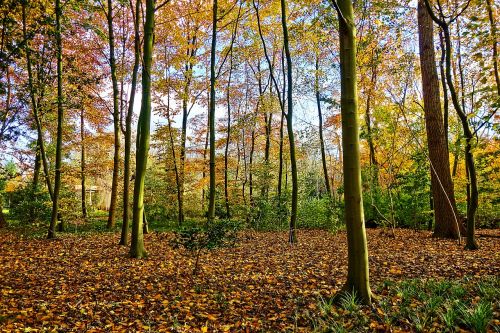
(82, 163)
(493, 32)
(471, 243)
(357, 275)
(57, 180)
(228, 135)
(128, 126)
(292, 238)
(116, 118)
(34, 105)
(445, 211)
(211, 203)
(321, 140)
(137, 249)
(38, 165)
(445, 90)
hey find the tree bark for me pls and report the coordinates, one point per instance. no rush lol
(493, 32)
(445, 211)
(211, 202)
(292, 238)
(34, 105)
(82, 164)
(57, 180)
(116, 118)
(137, 249)
(128, 126)
(358, 273)
(471, 242)
(321, 139)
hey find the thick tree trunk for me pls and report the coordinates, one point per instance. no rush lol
(137, 249)
(445, 211)
(57, 180)
(116, 118)
(471, 243)
(357, 275)
(128, 126)
(211, 202)
(82, 164)
(292, 238)
(321, 139)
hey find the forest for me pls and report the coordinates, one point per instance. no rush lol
(249, 166)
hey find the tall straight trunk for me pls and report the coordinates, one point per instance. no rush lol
(493, 32)
(211, 202)
(57, 180)
(357, 274)
(116, 117)
(368, 121)
(292, 238)
(82, 164)
(320, 117)
(137, 249)
(38, 165)
(188, 68)
(228, 130)
(228, 135)
(445, 210)
(471, 242)
(128, 126)
(34, 105)
(204, 172)
(445, 89)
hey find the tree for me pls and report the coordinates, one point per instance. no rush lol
(60, 114)
(292, 238)
(137, 249)
(357, 274)
(445, 211)
(444, 22)
(211, 115)
(116, 117)
(128, 125)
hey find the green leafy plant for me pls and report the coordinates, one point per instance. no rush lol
(477, 318)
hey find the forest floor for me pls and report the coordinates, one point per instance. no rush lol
(88, 283)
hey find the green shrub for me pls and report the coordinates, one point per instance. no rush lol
(30, 204)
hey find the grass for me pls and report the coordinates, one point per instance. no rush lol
(417, 305)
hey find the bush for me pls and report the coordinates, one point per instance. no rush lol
(30, 204)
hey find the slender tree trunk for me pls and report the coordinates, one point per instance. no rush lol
(493, 32)
(321, 139)
(445, 90)
(228, 135)
(137, 249)
(289, 125)
(128, 126)
(57, 180)
(471, 242)
(211, 203)
(116, 117)
(357, 275)
(445, 211)
(34, 105)
(368, 121)
(38, 165)
(82, 164)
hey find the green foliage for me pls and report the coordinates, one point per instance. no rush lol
(477, 317)
(30, 205)
(219, 233)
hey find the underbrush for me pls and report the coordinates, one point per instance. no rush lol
(416, 305)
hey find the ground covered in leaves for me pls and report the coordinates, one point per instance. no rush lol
(88, 283)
